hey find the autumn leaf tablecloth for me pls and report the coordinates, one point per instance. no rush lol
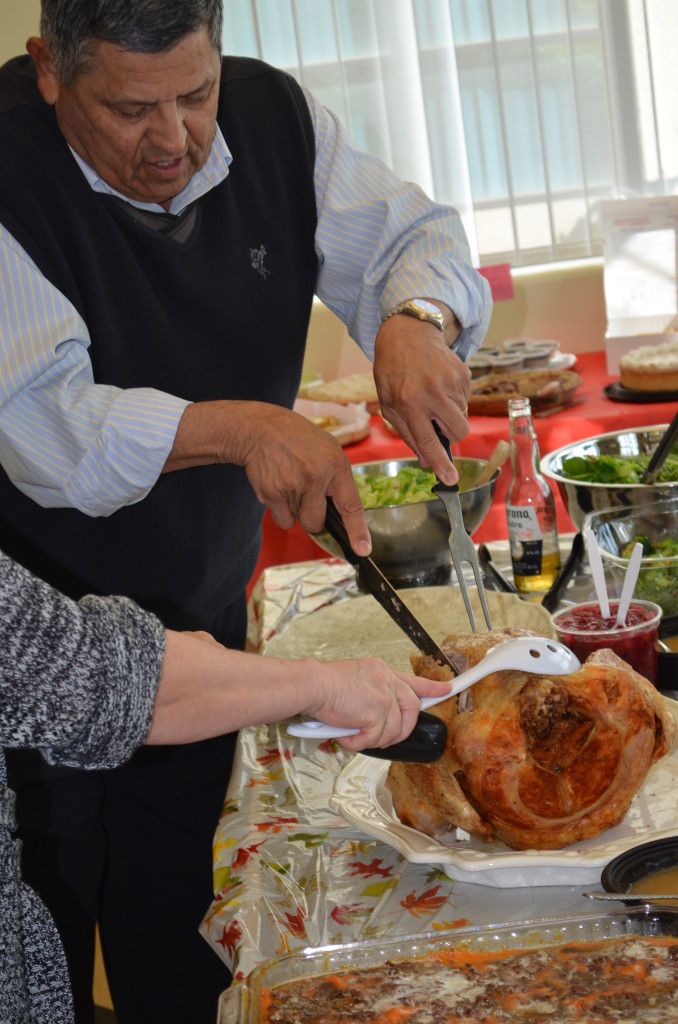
(289, 872)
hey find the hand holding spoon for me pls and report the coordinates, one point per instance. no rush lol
(524, 653)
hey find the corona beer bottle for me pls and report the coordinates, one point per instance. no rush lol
(530, 508)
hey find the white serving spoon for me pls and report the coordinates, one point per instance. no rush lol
(524, 653)
(495, 461)
(596, 563)
(630, 580)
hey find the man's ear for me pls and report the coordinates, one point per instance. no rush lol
(48, 80)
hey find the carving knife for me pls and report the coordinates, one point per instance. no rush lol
(374, 581)
(427, 740)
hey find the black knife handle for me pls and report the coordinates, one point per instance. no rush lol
(334, 526)
(425, 743)
(445, 442)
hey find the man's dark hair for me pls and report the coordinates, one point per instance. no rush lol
(72, 28)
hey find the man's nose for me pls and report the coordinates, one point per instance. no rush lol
(167, 130)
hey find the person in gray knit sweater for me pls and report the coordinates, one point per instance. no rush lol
(86, 683)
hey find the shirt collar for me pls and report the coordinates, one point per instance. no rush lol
(214, 171)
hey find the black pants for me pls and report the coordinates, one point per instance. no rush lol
(130, 848)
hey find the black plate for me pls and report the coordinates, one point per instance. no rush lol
(668, 662)
(620, 874)
(667, 672)
(617, 393)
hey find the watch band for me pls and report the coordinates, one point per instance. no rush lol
(422, 309)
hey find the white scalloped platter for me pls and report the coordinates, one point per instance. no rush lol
(362, 799)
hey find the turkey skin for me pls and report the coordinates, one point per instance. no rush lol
(536, 761)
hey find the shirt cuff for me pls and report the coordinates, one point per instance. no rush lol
(129, 453)
(458, 285)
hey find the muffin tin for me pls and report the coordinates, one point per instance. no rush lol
(515, 354)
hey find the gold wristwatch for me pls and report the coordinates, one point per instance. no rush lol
(422, 309)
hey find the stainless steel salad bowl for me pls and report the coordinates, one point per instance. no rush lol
(582, 497)
(412, 540)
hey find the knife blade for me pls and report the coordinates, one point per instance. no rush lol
(374, 581)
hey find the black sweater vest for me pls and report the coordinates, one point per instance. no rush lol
(214, 306)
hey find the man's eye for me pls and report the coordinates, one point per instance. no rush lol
(195, 101)
(132, 115)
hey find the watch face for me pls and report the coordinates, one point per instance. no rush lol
(422, 309)
(426, 307)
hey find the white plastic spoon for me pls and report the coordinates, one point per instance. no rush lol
(596, 563)
(630, 580)
(524, 653)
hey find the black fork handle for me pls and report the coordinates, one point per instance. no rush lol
(445, 442)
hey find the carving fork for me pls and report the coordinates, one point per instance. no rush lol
(462, 547)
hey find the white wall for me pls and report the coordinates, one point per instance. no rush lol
(19, 19)
(564, 301)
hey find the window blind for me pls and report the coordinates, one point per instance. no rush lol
(524, 114)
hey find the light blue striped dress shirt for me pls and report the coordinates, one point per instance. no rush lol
(66, 441)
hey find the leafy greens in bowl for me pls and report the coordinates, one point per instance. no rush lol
(409, 485)
(654, 525)
(618, 469)
(409, 525)
(606, 471)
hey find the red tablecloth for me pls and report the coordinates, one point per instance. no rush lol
(596, 414)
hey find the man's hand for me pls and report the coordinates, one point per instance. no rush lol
(420, 380)
(292, 465)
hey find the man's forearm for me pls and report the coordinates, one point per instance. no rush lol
(207, 434)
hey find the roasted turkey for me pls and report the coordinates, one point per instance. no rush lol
(539, 762)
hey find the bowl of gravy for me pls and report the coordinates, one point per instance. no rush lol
(645, 869)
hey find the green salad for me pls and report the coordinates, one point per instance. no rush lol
(658, 583)
(410, 484)
(617, 469)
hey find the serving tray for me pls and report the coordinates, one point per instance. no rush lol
(618, 393)
(525, 383)
(242, 1002)
(362, 799)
